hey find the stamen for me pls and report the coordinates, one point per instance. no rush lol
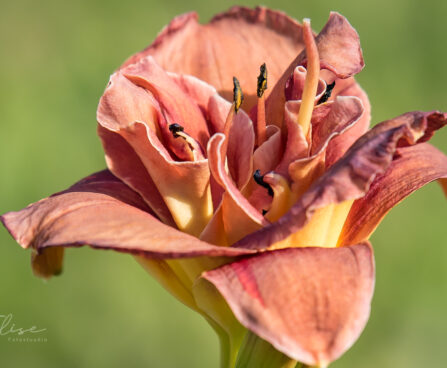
(238, 97)
(262, 86)
(262, 80)
(193, 148)
(327, 94)
(282, 198)
(175, 128)
(312, 77)
(259, 179)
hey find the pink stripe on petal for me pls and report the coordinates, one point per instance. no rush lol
(309, 303)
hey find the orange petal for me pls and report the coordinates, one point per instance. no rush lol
(340, 144)
(185, 186)
(334, 118)
(241, 139)
(339, 49)
(412, 168)
(176, 105)
(239, 216)
(104, 213)
(217, 51)
(309, 303)
(296, 146)
(124, 163)
(351, 177)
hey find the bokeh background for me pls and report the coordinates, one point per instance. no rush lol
(105, 311)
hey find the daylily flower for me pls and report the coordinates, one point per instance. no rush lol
(262, 190)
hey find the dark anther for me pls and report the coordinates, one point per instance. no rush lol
(174, 129)
(238, 96)
(262, 80)
(259, 179)
(327, 93)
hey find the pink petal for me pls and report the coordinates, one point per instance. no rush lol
(296, 145)
(351, 177)
(266, 157)
(124, 163)
(217, 51)
(412, 168)
(339, 145)
(179, 183)
(335, 118)
(241, 140)
(339, 48)
(177, 106)
(309, 303)
(104, 213)
(239, 216)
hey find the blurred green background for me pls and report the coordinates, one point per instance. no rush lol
(105, 311)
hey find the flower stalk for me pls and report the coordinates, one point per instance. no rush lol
(258, 353)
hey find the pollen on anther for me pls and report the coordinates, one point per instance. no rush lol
(327, 94)
(262, 80)
(259, 179)
(175, 128)
(238, 96)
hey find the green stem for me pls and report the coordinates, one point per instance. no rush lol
(229, 348)
(258, 353)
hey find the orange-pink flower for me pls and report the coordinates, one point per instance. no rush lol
(269, 203)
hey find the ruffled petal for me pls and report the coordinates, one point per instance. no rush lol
(412, 168)
(332, 119)
(339, 49)
(309, 303)
(349, 178)
(239, 217)
(217, 51)
(124, 163)
(176, 105)
(103, 212)
(183, 185)
(339, 145)
(240, 141)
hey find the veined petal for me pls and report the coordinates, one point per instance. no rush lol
(101, 211)
(217, 51)
(309, 303)
(412, 168)
(339, 49)
(349, 178)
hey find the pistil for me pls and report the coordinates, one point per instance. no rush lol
(260, 124)
(312, 77)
